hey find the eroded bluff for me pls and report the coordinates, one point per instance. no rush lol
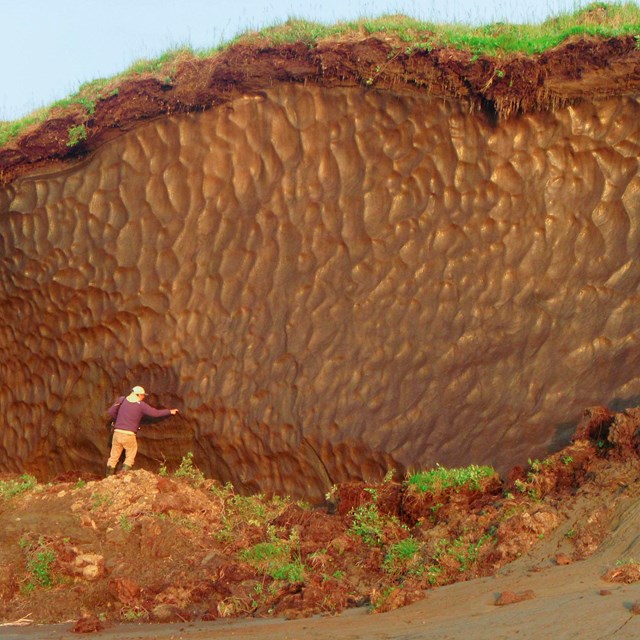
(330, 283)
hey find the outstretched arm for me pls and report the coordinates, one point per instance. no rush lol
(151, 412)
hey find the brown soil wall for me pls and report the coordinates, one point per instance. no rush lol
(329, 282)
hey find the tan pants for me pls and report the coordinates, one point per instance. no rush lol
(123, 440)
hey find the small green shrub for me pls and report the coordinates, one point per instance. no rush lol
(251, 509)
(523, 487)
(11, 488)
(520, 485)
(77, 135)
(40, 558)
(367, 524)
(264, 552)
(402, 556)
(433, 572)
(440, 478)
(277, 558)
(464, 552)
(537, 466)
(88, 104)
(163, 471)
(242, 511)
(289, 571)
(189, 471)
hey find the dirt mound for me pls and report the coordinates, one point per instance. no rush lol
(500, 87)
(146, 547)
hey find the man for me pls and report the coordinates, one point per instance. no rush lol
(127, 414)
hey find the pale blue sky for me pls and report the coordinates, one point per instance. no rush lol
(49, 48)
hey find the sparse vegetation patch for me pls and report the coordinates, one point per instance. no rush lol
(384, 544)
(76, 135)
(40, 558)
(10, 488)
(441, 479)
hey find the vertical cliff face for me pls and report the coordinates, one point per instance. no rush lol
(329, 283)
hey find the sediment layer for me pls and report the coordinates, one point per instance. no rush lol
(329, 282)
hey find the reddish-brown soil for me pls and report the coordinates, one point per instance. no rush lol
(500, 87)
(148, 548)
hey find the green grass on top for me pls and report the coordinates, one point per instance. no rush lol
(598, 19)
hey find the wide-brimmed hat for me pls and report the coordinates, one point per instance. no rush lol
(139, 391)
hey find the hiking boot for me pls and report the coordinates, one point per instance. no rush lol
(125, 468)
(110, 472)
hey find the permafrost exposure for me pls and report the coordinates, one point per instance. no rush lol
(330, 281)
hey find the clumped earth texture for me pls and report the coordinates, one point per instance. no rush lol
(178, 548)
(335, 260)
(342, 263)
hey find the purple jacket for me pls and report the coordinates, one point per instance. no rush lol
(129, 414)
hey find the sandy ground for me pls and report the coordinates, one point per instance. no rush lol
(568, 601)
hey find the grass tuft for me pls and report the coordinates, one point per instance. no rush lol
(40, 558)
(11, 488)
(440, 478)
(188, 471)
